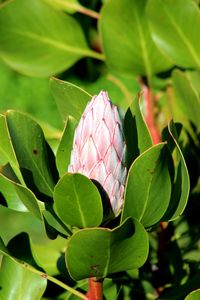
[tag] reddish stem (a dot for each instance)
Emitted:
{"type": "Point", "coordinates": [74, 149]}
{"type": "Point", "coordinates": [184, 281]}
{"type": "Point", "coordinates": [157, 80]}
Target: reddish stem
{"type": "Point", "coordinates": [150, 119]}
{"type": "Point", "coordinates": [95, 289]}
{"type": "Point", "coordinates": [150, 113]}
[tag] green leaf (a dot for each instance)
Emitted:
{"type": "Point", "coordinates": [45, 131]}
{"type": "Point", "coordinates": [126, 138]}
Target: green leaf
{"type": "Point", "coordinates": [10, 195]}
{"type": "Point", "coordinates": [33, 154]}
{"type": "Point", "coordinates": [22, 254]}
{"type": "Point", "coordinates": [106, 251]}
{"type": "Point", "coordinates": [14, 222]}
{"type": "Point", "coordinates": [71, 100]}
{"type": "Point", "coordinates": [195, 295]}
{"type": "Point", "coordinates": [126, 38]}
{"type": "Point", "coordinates": [7, 153]}
{"type": "Point", "coordinates": [31, 47]}
{"type": "Point", "coordinates": [187, 97]}
{"type": "Point", "coordinates": [136, 133]}
{"type": "Point", "coordinates": [194, 78]}
{"type": "Point", "coordinates": [65, 147]}
{"type": "Point", "coordinates": [50, 263]}
{"type": "Point", "coordinates": [3, 249]}
{"type": "Point", "coordinates": [172, 34]}
{"type": "Point", "coordinates": [181, 182]}
{"type": "Point", "coordinates": [19, 283]}
{"type": "Point", "coordinates": [148, 186]}
{"type": "Point", "coordinates": [77, 201]}
{"type": "Point", "coordinates": [25, 195]}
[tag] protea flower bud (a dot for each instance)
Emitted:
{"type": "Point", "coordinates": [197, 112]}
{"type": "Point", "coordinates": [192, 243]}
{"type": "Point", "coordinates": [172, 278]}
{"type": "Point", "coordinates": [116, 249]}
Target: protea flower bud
{"type": "Point", "coordinates": [99, 148]}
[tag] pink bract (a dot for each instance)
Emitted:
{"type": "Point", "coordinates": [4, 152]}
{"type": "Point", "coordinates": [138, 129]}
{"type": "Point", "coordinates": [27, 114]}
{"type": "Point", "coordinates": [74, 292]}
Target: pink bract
{"type": "Point", "coordinates": [99, 148]}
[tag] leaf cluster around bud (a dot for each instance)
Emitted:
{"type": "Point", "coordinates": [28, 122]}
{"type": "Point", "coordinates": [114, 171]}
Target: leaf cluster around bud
{"type": "Point", "coordinates": [67, 210]}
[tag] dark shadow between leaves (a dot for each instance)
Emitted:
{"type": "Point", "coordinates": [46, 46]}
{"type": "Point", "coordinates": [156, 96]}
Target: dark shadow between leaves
{"type": "Point", "coordinates": [30, 183]}
{"type": "Point", "coordinates": [20, 248]}
{"type": "Point", "coordinates": [108, 214]}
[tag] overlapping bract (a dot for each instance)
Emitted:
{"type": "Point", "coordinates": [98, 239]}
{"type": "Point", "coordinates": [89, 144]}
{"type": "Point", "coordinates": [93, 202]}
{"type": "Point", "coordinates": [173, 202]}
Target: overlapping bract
{"type": "Point", "coordinates": [99, 148]}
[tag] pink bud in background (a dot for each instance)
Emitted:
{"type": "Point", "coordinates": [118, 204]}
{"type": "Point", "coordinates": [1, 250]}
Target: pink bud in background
{"type": "Point", "coordinates": [99, 148]}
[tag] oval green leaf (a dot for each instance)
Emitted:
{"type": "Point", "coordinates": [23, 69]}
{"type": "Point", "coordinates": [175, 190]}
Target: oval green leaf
{"type": "Point", "coordinates": [107, 251]}
{"type": "Point", "coordinates": [148, 187]}
{"type": "Point", "coordinates": [181, 182]}
{"type": "Point", "coordinates": [31, 47]}
{"type": "Point", "coordinates": [127, 43]}
{"type": "Point", "coordinates": [34, 156]}
{"type": "Point", "coordinates": [172, 34]}
{"type": "Point", "coordinates": [77, 201]}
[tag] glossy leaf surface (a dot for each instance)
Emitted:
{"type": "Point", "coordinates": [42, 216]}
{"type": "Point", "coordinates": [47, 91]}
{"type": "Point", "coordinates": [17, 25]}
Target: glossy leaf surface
{"type": "Point", "coordinates": [126, 38]}
{"type": "Point", "coordinates": [77, 201]}
{"type": "Point", "coordinates": [181, 183]}
{"type": "Point", "coordinates": [25, 195]}
{"type": "Point", "coordinates": [34, 156]}
{"type": "Point", "coordinates": [103, 248]}
{"type": "Point", "coordinates": [31, 47]}
{"type": "Point", "coordinates": [19, 283]}
{"type": "Point", "coordinates": [172, 34]}
{"type": "Point", "coordinates": [148, 187]}
{"type": "Point", "coordinates": [195, 295]}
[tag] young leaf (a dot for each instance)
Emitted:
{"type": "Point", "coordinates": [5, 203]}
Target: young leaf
{"type": "Point", "coordinates": [181, 183]}
{"type": "Point", "coordinates": [31, 47]}
{"type": "Point", "coordinates": [77, 201]}
{"type": "Point", "coordinates": [136, 133]}
{"type": "Point", "coordinates": [126, 38]}
{"type": "Point", "coordinates": [34, 156]}
{"type": "Point", "coordinates": [148, 186]}
{"type": "Point", "coordinates": [65, 147]}
{"type": "Point", "coordinates": [71, 99]}
{"type": "Point", "coordinates": [172, 34]}
{"type": "Point", "coordinates": [107, 251]}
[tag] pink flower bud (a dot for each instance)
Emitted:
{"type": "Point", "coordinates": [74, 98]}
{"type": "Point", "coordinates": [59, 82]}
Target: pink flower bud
{"type": "Point", "coordinates": [99, 148]}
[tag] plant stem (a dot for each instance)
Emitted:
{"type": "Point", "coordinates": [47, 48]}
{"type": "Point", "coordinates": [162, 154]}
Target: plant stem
{"type": "Point", "coordinates": [156, 138]}
{"type": "Point", "coordinates": [150, 113]}
{"type": "Point", "coordinates": [95, 289]}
